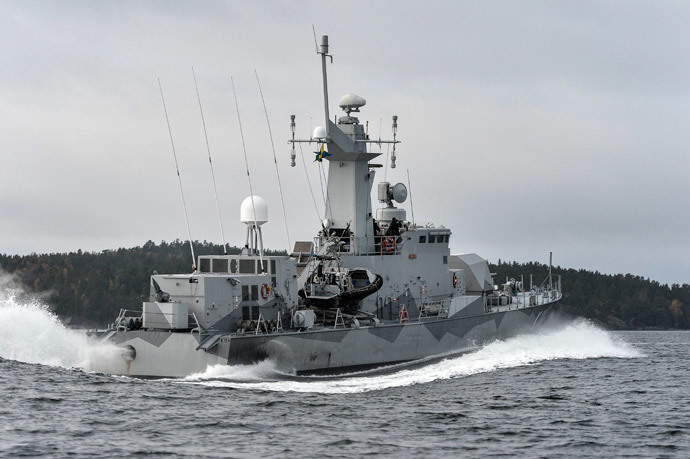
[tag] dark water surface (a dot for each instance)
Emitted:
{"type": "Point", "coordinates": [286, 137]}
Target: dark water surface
{"type": "Point", "coordinates": [575, 390]}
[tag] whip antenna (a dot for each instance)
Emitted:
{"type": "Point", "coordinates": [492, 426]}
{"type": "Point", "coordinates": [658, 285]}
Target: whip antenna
{"type": "Point", "coordinates": [409, 186]}
{"type": "Point", "coordinates": [316, 43]}
{"type": "Point", "coordinates": [213, 177]}
{"type": "Point", "coordinates": [249, 178]}
{"type": "Point", "coordinates": [179, 178]}
{"type": "Point", "coordinates": [275, 160]}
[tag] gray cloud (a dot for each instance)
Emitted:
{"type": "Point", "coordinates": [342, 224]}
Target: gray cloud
{"type": "Point", "coordinates": [527, 126]}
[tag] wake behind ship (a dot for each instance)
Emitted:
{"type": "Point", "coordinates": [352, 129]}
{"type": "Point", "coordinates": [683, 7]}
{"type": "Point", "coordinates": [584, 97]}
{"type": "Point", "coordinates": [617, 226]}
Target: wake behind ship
{"type": "Point", "coordinates": [371, 289]}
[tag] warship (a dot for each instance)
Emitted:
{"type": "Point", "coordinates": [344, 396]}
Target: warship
{"type": "Point", "coordinates": [371, 289]}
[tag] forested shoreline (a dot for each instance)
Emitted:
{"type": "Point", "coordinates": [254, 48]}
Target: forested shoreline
{"type": "Point", "coordinates": [89, 288]}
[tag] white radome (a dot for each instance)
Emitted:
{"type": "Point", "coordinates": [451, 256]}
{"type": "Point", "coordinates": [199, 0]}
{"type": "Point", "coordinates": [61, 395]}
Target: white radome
{"type": "Point", "coordinates": [319, 133]}
{"type": "Point", "coordinates": [247, 211]}
{"type": "Point", "coordinates": [352, 102]}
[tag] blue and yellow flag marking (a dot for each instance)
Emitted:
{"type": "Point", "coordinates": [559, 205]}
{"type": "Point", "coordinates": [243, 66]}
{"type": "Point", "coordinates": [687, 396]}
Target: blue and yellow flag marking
{"type": "Point", "coordinates": [320, 155]}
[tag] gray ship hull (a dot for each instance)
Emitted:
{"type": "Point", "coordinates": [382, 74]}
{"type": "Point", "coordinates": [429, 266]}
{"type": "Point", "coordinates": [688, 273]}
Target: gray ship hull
{"type": "Point", "coordinates": [165, 354]}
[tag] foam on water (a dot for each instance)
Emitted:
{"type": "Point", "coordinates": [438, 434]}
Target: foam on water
{"type": "Point", "coordinates": [261, 371]}
{"type": "Point", "coordinates": [30, 332]}
{"type": "Point", "coordinates": [576, 340]}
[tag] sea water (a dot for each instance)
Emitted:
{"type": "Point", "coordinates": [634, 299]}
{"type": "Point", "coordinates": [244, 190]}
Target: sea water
{"type": "Point", "coordinates": [572, 390]}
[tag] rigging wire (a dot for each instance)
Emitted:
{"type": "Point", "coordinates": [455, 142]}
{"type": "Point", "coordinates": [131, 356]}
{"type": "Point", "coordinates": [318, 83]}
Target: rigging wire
{"type": "Point", "coordinates": [210, 162]}
{"type": "Point", "coordinates": [323, 195]}
{"type": "Point", "coordinates": [249, 178]}
{"type": "Point", "coordinates": [311, 190]}
{"type": "Point", "coordinates": [327, 198]}
{"type": "Point", "coordinates": [275, 160]}
{"type": "Point", "coordinates": [179, 177]}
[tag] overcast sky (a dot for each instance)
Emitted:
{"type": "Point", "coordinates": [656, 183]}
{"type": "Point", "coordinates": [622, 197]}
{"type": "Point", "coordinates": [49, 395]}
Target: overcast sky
{"type": "Point", "coordinates": [527, 127]}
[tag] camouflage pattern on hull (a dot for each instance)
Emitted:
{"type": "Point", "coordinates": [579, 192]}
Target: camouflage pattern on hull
{"type": "Point", "coordinates": [164, 354]}
{"type": "Point", "coordinates": [323, 350]}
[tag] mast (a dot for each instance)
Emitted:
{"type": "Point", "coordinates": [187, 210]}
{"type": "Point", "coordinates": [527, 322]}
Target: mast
{"type": "Point", "coordinates": [324, 53]}
{"type": "Point", "coordinates": [348, 206]}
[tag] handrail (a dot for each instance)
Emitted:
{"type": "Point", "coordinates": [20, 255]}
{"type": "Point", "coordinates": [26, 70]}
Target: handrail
{"type": "Point", "coordinates": [542, 295]}
{"type": "Point", "coordinates": [136, 314]}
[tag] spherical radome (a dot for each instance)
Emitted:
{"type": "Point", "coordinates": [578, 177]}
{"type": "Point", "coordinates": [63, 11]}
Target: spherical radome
{"type": "Point", "coordinates": [247, 210]}
{"type": "Point", "coordinates": [319, 133]}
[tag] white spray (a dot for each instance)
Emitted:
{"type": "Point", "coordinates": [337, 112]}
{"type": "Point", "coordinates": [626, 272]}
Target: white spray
{"type": "Point", "coordinates": [577, 340]}
{"type": "Point", "coordinates": [30, 332]}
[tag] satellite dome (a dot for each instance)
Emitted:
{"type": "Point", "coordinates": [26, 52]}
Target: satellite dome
{"type": "Point", "coordinates": [247, 211]}
{"type": "Point", "coordinates": [319, 133]}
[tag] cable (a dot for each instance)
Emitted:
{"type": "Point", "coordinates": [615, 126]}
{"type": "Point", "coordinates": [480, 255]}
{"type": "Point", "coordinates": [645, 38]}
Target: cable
{"type": "Point", "coordinates": [179, 178]}
{"type": "Point", "coordinates": [213, 177]}
{"type": "Point", "coordinates": [275, 160]}
{"type": "Point", "coordinates": [249, 178]}
{"type": "Point", "coordinates": [311, 190]}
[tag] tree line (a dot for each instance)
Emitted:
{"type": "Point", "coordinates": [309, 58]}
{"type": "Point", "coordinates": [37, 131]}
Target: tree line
{"type": "Point", "coordinates": [618, 301]}
{"type": "Point", "coordinates": [89, 288]}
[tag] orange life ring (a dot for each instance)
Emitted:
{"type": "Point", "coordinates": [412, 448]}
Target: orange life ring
{"type": "Point", "coordinates": [389, 244]}
{"type": "Point", "coordinates": [403, 315]}
{"type": "Point", "coordinates": [264, 291]}
{"type": "Point", "coordinates": [455, 280]}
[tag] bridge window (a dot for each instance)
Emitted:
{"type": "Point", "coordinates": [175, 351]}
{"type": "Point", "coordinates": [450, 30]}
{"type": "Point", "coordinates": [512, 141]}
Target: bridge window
{"type": "Point", "coordinates": [247, 267]}
{"type": "Point", "coordinates": [432, 238]}
{"type": "Point", "coordinates": [422, 239]}
{"type": "Point", "coordinates": [205, 265]}
{"type": "Point", "coordinates": [220, 265]}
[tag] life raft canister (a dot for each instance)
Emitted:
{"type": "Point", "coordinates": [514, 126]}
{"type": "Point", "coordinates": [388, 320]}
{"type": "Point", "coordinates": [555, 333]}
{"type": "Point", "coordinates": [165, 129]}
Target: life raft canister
{"type": "Point", "coordinates": [389, 244]}
{"type": "Point", "coordinates": [264, 291]}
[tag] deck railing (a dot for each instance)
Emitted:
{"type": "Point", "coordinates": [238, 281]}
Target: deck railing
{"type": "Point", "coordinates": [536, 296]}
{"type": "Point", "coordinates": [382, 245]}
{"type": "Point", "coordinates": [129, 319]}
